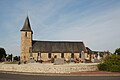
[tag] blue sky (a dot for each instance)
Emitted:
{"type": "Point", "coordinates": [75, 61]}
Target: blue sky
{"type": "Point", "coordinates": [95, 22]}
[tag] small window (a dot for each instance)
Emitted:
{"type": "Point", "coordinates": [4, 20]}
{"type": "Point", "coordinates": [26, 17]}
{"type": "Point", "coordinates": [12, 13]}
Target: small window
{"type": "Point", "coordinates": [72, 55]}
{"type": "Point", "coordinates": [62, 55]}
{"type": "Point", "coordinates": [38, 54]}
{"type": "Point", "coordinates": [49, 55]}
{"type": "Point", "coordinates": [25, 34]}
{"type": "Point", "coordinates": [80, 55]}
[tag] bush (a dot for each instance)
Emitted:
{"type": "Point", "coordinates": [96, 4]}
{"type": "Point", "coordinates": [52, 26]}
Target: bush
{"type": "Point", "coordinates": [102, 67]}
{"type": "Point", "coordinates": [111, 63]}
{"type": "Point", "coordinates": [2, 54]}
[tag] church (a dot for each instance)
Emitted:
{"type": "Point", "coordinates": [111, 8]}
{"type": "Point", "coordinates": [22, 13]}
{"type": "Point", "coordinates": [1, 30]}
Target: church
{"type": "Point", "coordinates": [46, 50]}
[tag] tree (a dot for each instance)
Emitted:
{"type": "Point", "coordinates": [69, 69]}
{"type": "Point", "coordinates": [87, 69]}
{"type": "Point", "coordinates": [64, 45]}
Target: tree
{"type": "Point", "coordinates": [9, 57]}
{"type": "Point", "coordinates": [117, 51]}
{"type": "Point", "coordinates": [2, 54]}
{"type": "Point", "coordinates": [17, 58]}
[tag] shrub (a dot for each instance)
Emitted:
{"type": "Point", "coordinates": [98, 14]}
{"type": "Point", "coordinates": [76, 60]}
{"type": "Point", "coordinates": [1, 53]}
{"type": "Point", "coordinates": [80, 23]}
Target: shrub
{"type": "Point", "coordinates": [102, 67]}
{"type": "Point", "coordinates": [110, 63]}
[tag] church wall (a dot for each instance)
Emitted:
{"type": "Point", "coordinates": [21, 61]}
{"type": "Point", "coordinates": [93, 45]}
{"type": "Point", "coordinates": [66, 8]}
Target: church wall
{"type": "Point", "coordinates": [76, 55]}
{"type": "Point", "coordinates": [35, 56]}
{"type": "Point", "coordinates": [44, 56]}
{"type": "Point", "coordinates": [29, 35]}
{"type": "Point", "coordinates": [86, 55]}
{"type": "Point", "coordinates": [57, 54]}
{"type": "Point", "coordinates": [67, 56]}
{"type": "Point", "coordinates": [26, 43]}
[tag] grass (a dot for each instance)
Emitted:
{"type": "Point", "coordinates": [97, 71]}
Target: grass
{"type": "Point", "coordinates": [14, 62]}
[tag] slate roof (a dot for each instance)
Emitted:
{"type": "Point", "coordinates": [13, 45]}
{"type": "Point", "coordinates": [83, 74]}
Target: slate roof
{"type": "Point", "coordinates": [89, 50]}
{"type": "Point", "coordinates": [26, 26]}
{"type": "Point", "coordinates": [57, 46]}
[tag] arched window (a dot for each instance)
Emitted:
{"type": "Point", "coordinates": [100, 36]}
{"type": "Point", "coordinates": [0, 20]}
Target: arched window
{"type": "Point", "coordinates": [79, 55]}
{"type": "Point", "coordinates": [49, 55]}
{"type": "Point", "coordinates": [62, 55]}
{"type": "Point", "coordinates": [72, 55]}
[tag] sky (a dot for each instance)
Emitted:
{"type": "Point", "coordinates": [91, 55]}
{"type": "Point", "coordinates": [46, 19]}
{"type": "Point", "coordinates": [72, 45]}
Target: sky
{"type": "Point", "coordinates": [95, 22]}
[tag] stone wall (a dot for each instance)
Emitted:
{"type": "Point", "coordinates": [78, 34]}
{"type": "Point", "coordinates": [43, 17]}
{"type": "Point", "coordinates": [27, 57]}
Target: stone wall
{"type": "Point", "coordinates": [48, 68]}
{"type": "Point", "coordinates": [67, 56]}
{"type": "Point", "coordinates": [44, 56]}
{"type": "Point", "coordinates": [58, 55]}
{"type": "Point", "coordinates": [76, 55]}
{"type": "Point", "coordinates": [26, 43]}
{"type": "Point", "coordinates": [35, 56]}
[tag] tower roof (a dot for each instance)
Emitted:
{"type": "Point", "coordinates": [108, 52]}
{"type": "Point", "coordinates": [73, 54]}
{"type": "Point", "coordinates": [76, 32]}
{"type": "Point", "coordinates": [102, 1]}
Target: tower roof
{"type": "Point", "coordinates": [26, 26]}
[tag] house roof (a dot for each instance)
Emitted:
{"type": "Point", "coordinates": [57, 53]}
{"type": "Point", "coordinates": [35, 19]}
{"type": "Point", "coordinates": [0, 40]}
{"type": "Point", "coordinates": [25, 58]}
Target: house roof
{"type": "Point", "coordinates": [57, 46]}
{"type": "Point", "coordinates": [26, 26]}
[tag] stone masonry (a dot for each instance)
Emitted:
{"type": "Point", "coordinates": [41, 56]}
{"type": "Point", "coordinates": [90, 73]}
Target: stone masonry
{"type": "Point", "coordinates": [26, 43]}
{"type": "Point", "coordinates": [49, 68]}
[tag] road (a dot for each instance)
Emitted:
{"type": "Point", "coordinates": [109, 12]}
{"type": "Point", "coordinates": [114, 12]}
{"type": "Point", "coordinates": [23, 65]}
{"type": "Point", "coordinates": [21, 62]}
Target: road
{"type": "Point", "coordinates": [6, 76]}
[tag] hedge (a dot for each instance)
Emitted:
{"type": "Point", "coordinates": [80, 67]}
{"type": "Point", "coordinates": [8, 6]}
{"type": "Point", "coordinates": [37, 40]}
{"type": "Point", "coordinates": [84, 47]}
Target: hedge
{"type": "Point", "coordinates": [110, 63]}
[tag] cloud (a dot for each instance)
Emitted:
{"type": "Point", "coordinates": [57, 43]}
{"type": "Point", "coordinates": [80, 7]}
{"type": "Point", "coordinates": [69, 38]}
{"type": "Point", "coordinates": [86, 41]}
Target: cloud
{"type": "Point", "coordinates": [100, 31]}
{"type": "Point", "coordinates": [96, 23]}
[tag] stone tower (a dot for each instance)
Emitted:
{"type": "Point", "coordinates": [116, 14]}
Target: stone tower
{"type": "Point", "coordinates": [26, 40]}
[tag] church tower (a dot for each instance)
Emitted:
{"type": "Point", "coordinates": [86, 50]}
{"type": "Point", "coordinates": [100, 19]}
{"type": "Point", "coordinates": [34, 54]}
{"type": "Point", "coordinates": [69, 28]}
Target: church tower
{"type": "Point", "coordinates": [26, 40]}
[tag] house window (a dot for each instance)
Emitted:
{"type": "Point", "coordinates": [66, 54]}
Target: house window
{"type": "Point", "coordinates": [49, 55]}
{"type": "Point", "coordinates": [72, 55]}
{"type": "Point", "coordinates": [62, 55]}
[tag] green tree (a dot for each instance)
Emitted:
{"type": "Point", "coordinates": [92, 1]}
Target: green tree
{"type": "Point", "coordinates": [9, 57]}
{"type": "Point", "coordinates": [2, 54]}
{"type": "Point", "coordinates": [110, 63]}
{"type": "Point", "coordinates": [117, 51]}
{"type": "Point", "coordinates": [17, 58]}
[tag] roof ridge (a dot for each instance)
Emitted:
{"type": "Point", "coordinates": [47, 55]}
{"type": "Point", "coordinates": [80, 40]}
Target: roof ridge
{"type": "Point", "coordinates": [55, 41]}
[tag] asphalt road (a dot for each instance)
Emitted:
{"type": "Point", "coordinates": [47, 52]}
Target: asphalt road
{"type": "Point", "coordinates": [6, 76]}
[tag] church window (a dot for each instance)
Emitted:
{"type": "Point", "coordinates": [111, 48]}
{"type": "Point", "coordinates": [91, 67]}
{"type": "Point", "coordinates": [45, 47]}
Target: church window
{"type": "Point", "coordinates": [80, 55]}
{"type": "Point", "coordinates": [49, 55]}
{"type": "Point", "coordinates": [72, 55]}
{"type": "Point", "coordinates": [62, 55]}
{"type": "Point", "coordinates": [39, 54]}
{"type": "Point", "coordinates": [25, 34]}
